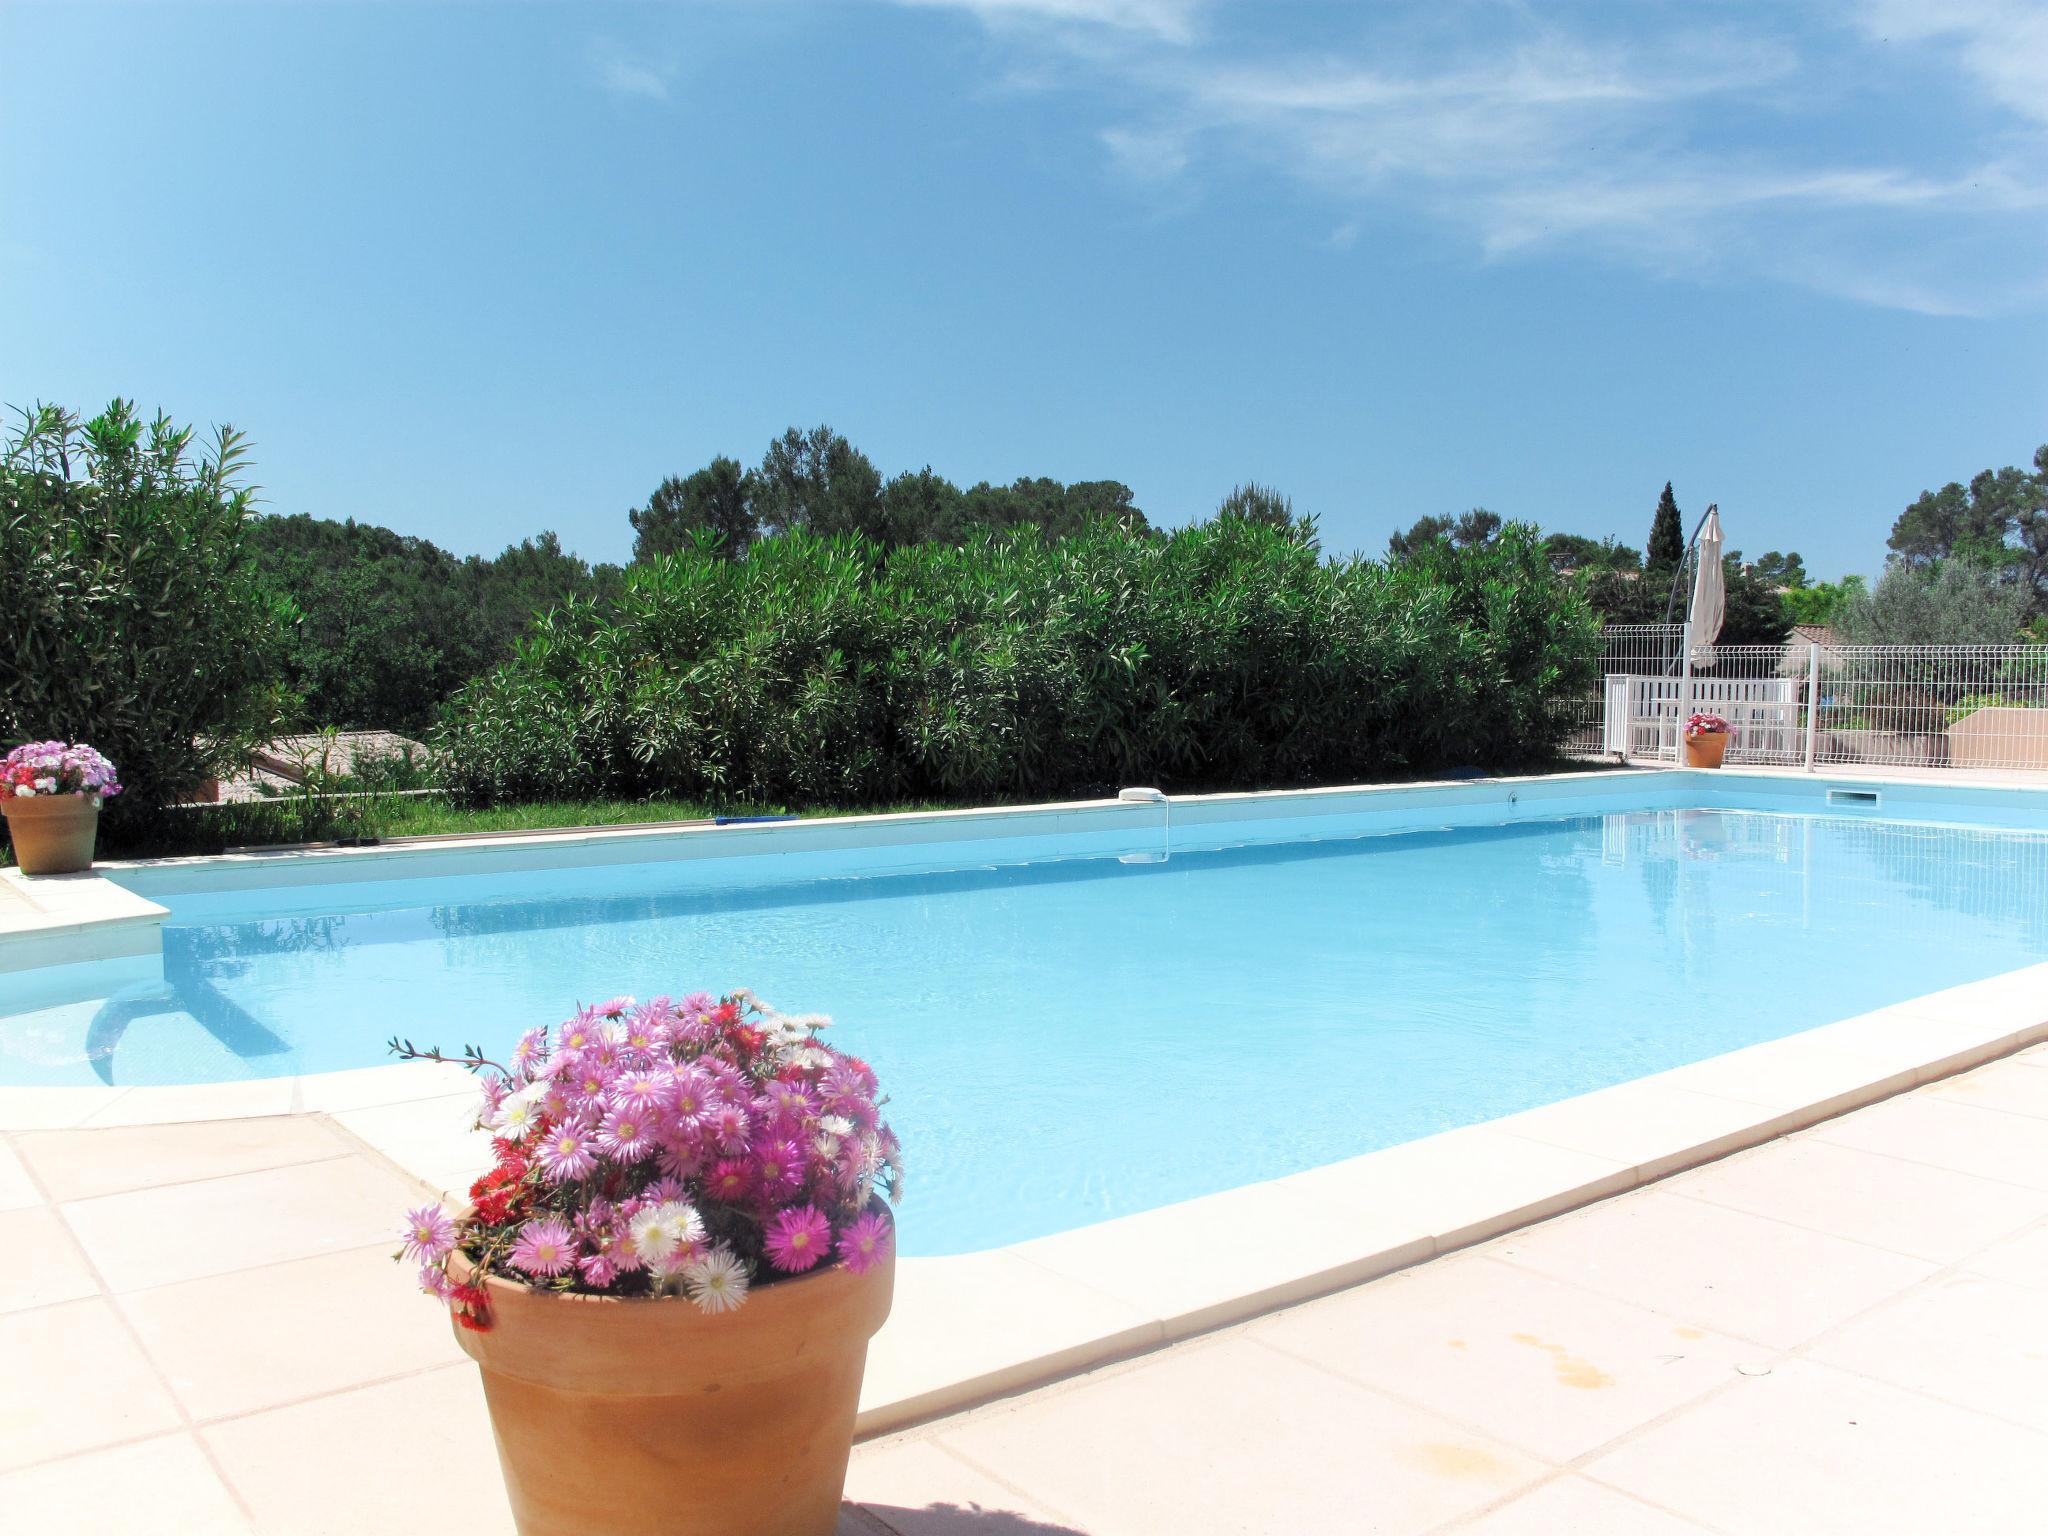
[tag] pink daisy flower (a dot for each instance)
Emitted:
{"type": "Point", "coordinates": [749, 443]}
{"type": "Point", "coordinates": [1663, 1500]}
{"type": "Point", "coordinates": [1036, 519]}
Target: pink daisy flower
{"type": "Point", "coordinates": [569, 1151]}
{"type": "Point", "coordinates": [625, 1136]}
{"type": "Point", "coordinates": [527, 1054]}
{"type": "Point", "coordinates": [645, 1091]}
{"type": "Point", "coordinates": [792, 1101]}
{"type": "Point", "coordinates": [780, 1166]}
{"type": "Point", "coordinates": [579, 1033]}
{"type": "Point", "coordinates": [434, 1281]}
{"type": "Point", "coordinates": [867, 1242]}
{"type": "Point", "coordinates": [798, 1238]}
{"type": "Point", "coordinates": [597, 1269]}
{"type": "Point", "coordinates": [647, 1029]}
{"type": "Point", "coordinates": [690, 1099]}
{"type": "Point", "coordinates": [546, 1248]}
{"type": "Point", "coordinates": [729, 1127]}
{"type": "Point", "coordinates": [730, 1181]}
{"type": "Point", "coordinates": [679, 1159]}
{"type": "Point", "coordinates": [429, 1234]}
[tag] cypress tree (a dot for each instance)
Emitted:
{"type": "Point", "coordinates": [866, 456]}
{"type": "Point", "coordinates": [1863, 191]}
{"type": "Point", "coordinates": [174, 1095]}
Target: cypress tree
{"type": "Point", "coordinates": [1667, 532]}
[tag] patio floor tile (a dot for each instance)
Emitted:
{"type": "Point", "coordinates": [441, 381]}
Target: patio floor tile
{"type": "Point", "coordinates": [1744, 1275]}
{"type": "Point", "coordinates": [161, 1487]}
{"type": "Point", "coordinates": [150, 1237]}
{"type": "Point", "coordinates": [982, 1316]}
{"type": "Point", "coordinates": [1229, 1436]}
{"type": "Point", "coordinates": [1989, 1143]}
{"type": "Point", "coordinates": [1812, 1451]}
{"type": "Point", "coordinates": [80, 1165]}
{"type": "Point", "coordinates": [1571, 1506]}
{"type": "Point", "coordinates": [1911, 1208]}
{"type": "Point", "coordinates": [2013, 1086]}
{"type": "Point", "coordinates": [914, 1488]}
{"type": "Point", "coordinates": [1962, 1338]}
{"type": "Point", "coordinates": [435, 1138]}
{"type": "Point", "coordinates": [1547, 1367]}
{"type": "Point", "coordinates": [2021, 1259]}
{"type": "Point", "coordinates": [73, 1380]}
{"type": "Point", "coordinates": [43, 1263]}
{"type": "Point", "coordinates": [414, 1455]}
{"type": "Point", "coordinates": [229, 1344]}
{"type": "Point", "coordinates": [17, 1189]}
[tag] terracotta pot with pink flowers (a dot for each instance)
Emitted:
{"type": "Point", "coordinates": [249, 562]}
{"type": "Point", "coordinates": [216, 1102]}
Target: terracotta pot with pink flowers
{"type": "Point", "coordinates": [50, 793]}
{"type": "Point", "coordinates": [1706, 741]}
{"type": "Point", "coordinates": [670, 1276]}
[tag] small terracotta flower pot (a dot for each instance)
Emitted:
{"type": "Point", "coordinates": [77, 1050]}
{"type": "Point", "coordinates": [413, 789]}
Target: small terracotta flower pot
{"type": "Point", "coordinates": [52, 834]}
{"type": "Point", "coordinates": [1704, 749]}
{"type": "Point", "coordinates": [619, 1416]}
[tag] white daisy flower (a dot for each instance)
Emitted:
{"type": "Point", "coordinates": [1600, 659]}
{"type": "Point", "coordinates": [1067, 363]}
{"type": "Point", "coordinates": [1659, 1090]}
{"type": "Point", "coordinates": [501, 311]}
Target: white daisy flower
{"type": "Point", "coordinates": [660, 1232]}
{"type": "Point", "coordinates": [717, 1282]}
{"type": "Point", "coordinates": [515, 1115]}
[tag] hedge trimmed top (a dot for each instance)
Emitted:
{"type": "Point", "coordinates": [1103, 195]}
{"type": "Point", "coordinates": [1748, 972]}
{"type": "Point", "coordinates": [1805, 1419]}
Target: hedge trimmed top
{"type": "Point", "coordinates": [834, 671]}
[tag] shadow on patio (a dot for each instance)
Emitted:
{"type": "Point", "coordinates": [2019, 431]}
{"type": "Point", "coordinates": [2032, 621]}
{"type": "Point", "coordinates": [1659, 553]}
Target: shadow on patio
{"type": "Point", "coordinates": [944, 1520]}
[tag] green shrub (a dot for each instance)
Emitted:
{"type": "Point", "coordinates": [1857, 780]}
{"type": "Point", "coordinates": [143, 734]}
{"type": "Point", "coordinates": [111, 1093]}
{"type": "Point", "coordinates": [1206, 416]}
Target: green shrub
{"type": "Point", "coordinates": [1970, 703]}
{"type": "Point", "coordinates": [830, 671]}
{"type": "Point", "coordinates": [134, 617]}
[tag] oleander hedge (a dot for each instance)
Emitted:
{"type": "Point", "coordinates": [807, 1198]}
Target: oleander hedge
{"type": "Point", "coordinates": [830, 671]}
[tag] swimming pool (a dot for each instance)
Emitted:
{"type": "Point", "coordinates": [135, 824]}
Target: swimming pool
{"type": "Point", "coordinates": [1078, 1028]}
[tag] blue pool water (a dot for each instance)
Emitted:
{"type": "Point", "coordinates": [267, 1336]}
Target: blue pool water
{"type": "Point", "coordinates": [1078, 1038]}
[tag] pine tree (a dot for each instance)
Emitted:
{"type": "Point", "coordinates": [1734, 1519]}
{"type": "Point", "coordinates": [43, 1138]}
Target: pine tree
{"type": "Point", "coordinates": [1667, 533]}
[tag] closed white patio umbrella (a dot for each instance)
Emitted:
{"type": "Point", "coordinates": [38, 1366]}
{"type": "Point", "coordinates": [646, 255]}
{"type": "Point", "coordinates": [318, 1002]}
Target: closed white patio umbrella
{"type": "Point", "coordinates": [1709, 592]}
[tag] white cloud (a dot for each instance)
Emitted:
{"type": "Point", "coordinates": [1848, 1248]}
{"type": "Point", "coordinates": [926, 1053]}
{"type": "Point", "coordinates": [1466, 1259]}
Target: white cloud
{"type": "Point", "coordinates": [622, 74]}
{"type": "Point", "coordinates": [1151, 155]}
{"type": "Point", "coordinates": [2003, 44]}
{"type": "Point", "coordinates": [1175, 21]}
{"type": "Point", "coordinates": [1686, 152]}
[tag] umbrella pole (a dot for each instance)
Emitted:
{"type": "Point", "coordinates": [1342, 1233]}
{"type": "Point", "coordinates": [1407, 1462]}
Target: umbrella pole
{"type": "Point", "coordinates": [1684, 698]}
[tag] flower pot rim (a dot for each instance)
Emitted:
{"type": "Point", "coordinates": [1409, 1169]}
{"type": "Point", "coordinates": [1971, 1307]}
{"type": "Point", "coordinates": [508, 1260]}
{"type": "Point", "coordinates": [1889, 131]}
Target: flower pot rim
{"type": "Point", "coordinates": [605, 1345]}
{"type": "Point", "coordinates": [504, 1283]}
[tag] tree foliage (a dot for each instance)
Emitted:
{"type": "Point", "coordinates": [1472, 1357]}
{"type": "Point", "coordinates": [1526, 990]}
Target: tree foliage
{"type": "Point", "coordinates": [718, 501]}
{"type": "Point", "coordinates": [1467, 530]}
{"type": "Point", "coordinates": [815, 481]}
{"type": "Point", "coordinates": [1998, 522]}
{"type": "Point", "coordinates": [387, 626]}
{"type": "Point", "coordinates": [819, 482]}
{"type": "Point", "coordinates": [135, 615]}
{"type": "Point", "coordinates": [1667, 533]}
{"type": "Point", "coordinates": [834, 670]}
{"type": "Point", "coordinates": [1822, 602]}
{"type": "Point", "coordinates": [1956, 602]}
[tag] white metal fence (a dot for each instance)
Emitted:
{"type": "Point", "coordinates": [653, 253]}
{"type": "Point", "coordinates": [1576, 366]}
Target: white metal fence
{"type": "Point", "coordinates": [1818, 706]}
{"type": "Point", "coordinates": [1631, 650]}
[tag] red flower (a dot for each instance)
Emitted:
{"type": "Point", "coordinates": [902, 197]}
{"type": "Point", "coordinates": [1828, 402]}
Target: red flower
{"type": "Point", "coordinates": [472, 1308]}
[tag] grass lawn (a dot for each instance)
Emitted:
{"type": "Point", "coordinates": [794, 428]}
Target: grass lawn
{"type": "Point", "coordinates": [327, 819]}
{"type": "Point", "coordinates": [431, 816]}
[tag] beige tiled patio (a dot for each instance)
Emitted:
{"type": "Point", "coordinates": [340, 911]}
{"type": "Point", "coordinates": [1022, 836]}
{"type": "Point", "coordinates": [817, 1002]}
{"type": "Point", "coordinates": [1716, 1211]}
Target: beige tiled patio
{"type": "Point", "coordinates": [1844, 1331]}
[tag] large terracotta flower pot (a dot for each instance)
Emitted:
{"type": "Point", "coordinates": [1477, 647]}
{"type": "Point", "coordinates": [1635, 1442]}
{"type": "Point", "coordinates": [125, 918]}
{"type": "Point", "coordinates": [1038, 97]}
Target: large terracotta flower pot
{"type": "Point", "coordinates": [1704, 749]}
{"type": "Point", "coordinates": [622, 1416]}
{"type": "Point", "coordinates": [52, 834]}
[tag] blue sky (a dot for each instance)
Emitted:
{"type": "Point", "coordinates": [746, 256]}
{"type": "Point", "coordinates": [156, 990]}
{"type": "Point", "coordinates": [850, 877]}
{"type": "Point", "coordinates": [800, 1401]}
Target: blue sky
{"type": "Point", "coordinates": [475, 270]}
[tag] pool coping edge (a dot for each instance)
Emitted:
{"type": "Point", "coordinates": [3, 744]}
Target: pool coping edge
{"type": "Point", "coordinates": [975, 1327]}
